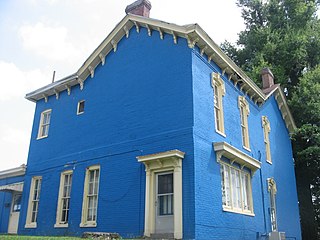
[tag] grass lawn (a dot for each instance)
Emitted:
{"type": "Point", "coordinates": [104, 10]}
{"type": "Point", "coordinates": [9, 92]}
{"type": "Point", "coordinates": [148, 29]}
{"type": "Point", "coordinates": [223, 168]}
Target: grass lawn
{"type": "Point", "coordinates": [15, 237]}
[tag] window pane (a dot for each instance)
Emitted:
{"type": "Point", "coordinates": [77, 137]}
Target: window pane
{"type": "Point", "coordinates": [165, 183]}
{"type": "Point", "coordinates": [81, 107]}
{"type": "Point", "coordinates": [165, 204]}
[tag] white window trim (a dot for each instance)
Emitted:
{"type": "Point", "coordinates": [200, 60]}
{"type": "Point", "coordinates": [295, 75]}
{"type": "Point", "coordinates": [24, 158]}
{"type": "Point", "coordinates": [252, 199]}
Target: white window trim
{"type": "Point", "coordinates": [163, 162]}
{"type": "Point", "coordinates": [272, 189]}
{"type": "Point", "coordinates": [84, 222]}
{"type": "Point", "coordinates": [266, 137]}
{"type": "Point", "coordinates": [59, 207]}
{"type": "Point", "coordinates": [244, 160]}
{"type": "Point", "coordinates": [41, 124]}
{"type": "Point", "coordinates": [30, 224]}
{"type": "Point", "coordinates": [232, 208]}
{"type": "Point", "coordinates": [216, 81]}
{"type": "Point", "coordinates": [244, 107]}
{"type": "Point", "coordinates": [78, 107]}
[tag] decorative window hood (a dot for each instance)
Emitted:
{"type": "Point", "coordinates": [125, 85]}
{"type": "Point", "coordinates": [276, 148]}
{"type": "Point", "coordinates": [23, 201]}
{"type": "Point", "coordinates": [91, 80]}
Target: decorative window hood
{"type": "Point", "coordinates": [235, 155]}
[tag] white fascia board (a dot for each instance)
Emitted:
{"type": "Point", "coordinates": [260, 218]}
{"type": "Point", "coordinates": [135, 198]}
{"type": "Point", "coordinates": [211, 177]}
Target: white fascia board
{"type": "Point", "coordinates": [205, 37]}
{"type": "Point", "coordinates": [49, 89]}
{"type": "Point", "coordinates": [285, 111]}
{"type": "Point", "coordinates": [234, 154]}
{"type": "Point", "coordinates": [168, 154]}
{"type": "Point", "coordinates": [119, 32]}
{"type": "Point", "coordinates": [13, 172]}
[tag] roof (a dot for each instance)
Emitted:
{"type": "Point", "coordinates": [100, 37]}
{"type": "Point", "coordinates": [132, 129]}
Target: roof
{"type": "Point", "coordinates": [195, 36]}
{"type": "Point", "coordinates": [13, 172]}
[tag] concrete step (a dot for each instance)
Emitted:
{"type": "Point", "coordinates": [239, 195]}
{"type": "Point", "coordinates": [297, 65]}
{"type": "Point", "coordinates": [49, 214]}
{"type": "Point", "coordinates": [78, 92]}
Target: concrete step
{"type": "Point", "coordinates": [162, 236]}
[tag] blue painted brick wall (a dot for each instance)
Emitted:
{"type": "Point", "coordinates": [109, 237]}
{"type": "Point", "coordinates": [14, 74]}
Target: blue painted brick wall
{"type": "Point", "coordinates": [211, 221]}
{"type": "Point", "coordinates": [138, 103]}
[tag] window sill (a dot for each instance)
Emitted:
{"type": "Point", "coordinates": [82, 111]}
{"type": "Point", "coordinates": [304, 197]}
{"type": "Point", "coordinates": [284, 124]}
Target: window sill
{"type": "Point", "coordinates": [30, 225]}
{"type": "Point", "coordinates": [246, 148]}
{"type": "Point", "coordinates": [79, 113]}
{"type": "Point", "coordinates": [225, 209]}
{"type": "Point", "coordinates": [91, 224]}
{"type": "Point", "coordinates": [38, 138]}
{"type": "Point", "coordinates": [61, 225]}
{"type": "Point", "coordinates": [268, 161]}
{"type": "Point", "coordinates": [221, 133]}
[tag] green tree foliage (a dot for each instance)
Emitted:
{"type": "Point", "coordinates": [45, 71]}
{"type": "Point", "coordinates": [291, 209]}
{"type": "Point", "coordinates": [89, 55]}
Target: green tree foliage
{"type": "Point", "coordinates": [284, 35]}
{"type": "Point", "coordinates": [279, 34]}
{"type": "Point", "coordinates": [305, 105]}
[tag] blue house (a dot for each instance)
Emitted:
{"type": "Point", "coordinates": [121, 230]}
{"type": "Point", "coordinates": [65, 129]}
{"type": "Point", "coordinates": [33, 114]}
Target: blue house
{"type": "Point", "coordinates": [160, 134]}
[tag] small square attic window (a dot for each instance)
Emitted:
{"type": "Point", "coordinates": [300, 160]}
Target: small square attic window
{"type": "Point", "coordinates": [80, 107]}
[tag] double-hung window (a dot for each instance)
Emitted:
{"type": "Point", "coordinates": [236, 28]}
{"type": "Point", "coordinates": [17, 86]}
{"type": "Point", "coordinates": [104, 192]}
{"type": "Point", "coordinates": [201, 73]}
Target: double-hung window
{"type": "Point", "coordinates": [218, 92]}
{"type": "Point", "coordinates": [64, 199]}
{"type": "Point", "coordinates": [90, 197]}
{"type": "Point", "coordinates": [237, 169]}
{"type": "Point", "coordinates": [44, 124]}
{"type": "Point", "coordinates": [33, 206]}
{"type": "Point", "coordinates": [236, 189]}
{"type": "Point", "coordinates": [244, 112]}
{"type": "Point", "coordinates": [266, 138]}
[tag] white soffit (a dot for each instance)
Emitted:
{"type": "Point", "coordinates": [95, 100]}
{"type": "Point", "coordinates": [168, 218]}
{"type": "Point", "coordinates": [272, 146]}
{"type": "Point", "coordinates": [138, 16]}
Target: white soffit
{"type": "Point", "coordinates": [13, 172]}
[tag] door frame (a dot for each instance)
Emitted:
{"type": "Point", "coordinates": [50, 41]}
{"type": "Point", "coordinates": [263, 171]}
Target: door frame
{"type": "Point", "coordinates": [158, 163]}
{"type": "Point", "coordinates": [14, 194]}
{"type": "Point", "coordinates": [157, 174]}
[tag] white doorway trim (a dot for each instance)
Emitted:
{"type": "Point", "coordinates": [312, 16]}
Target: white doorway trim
{"type": "Point", "coordinates": [162, 162]}
{"type": "Point", "coordinates": [14, 212]}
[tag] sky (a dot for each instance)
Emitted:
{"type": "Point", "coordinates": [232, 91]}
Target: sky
{"type": "Point", "coordinates": [38, 37]}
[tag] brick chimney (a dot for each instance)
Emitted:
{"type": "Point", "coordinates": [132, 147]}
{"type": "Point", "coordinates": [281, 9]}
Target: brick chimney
{"type": "Point", "coordinates": [267, 78]}
{"type": "Point", "coordinates": [139, 7]}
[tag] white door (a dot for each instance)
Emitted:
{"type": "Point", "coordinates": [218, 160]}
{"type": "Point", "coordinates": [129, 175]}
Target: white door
{"type": "Point", "coordinates": [14, 213]}
{"type": "Point", "coordinates": [164, 203]}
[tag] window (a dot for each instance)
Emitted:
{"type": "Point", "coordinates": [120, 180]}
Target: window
{"type": "Point", "coordinates": [16, 206]}
{"type": "Point", "coordinates": [244, 112]}
{"type": "Point", "coordinates": [44, 124]}
{"type": "Point", "coordinates": [80, 109]}
{"type": "Point", "coordinates": [272, 189]}
{"type": "Point", "coordinates": [236, 189]}
{"type": "Point", "coordinates": [64, 199]}
{"type": "Point", "coordinates": [33, 205]}
{"type": "Point", "coordinates": [218, 91]}
{"type": "Point", "coordinates": [236, 178]}
{"type": "Point", "coordinates": [266, 132]}
{"type": "Point", "coordinates": [90, 197]}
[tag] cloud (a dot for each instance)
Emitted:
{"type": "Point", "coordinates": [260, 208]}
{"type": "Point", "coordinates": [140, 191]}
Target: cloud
{"type": "Point", "coordinates": [48, 42]}
{"type": "Point", "coordinates": [15, 83]}
{"type": "Point", "coordinates": [14, 144]}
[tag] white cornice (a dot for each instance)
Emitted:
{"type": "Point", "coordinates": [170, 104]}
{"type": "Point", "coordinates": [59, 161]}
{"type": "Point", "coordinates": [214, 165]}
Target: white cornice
{"type": "Point", "coordinates": [234, 154]}
{"type": "Point", "coordinates": [194, 34]}
{"type": "Point", "coordinates": [13, 172]}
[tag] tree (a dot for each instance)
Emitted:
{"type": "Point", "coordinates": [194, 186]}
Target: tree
{"type": "Point", "coordinates": [280, 34]}
{"type": "Point", "coordinates": [284, 35]}
{"type": "Point", "coordinates": [305, 105]}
